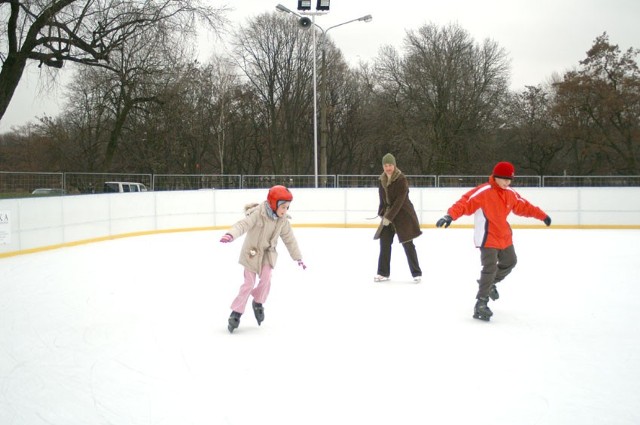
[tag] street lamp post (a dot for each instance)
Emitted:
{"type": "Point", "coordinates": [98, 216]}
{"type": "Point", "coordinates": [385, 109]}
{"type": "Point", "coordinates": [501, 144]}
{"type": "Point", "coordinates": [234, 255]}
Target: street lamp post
{"type": "Point", "coordinates": [304, 22]}
{"type": "Point", "coordinates": [324, 130]}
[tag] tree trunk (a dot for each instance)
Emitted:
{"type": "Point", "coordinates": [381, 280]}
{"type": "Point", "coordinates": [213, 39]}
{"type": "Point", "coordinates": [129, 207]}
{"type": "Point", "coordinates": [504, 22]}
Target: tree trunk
{"type": "Point", "coordinates": [10, 76]}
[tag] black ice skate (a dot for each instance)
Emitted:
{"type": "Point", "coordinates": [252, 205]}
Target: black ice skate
{"type": "Point", "coordinates": [481, 310]}
{"type": "Point", "coordinates": [493, 293]}
{"type": "Point", "coordinates": [234, 321]}
{"type": "Point", "coordinates": [258, 310]}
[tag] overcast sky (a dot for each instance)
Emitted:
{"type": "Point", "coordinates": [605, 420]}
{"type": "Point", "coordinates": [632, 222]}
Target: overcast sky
{"type": "Point", "coordinates": [541, 38]}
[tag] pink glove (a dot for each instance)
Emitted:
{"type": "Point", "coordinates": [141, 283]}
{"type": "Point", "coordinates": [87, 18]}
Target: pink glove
{"type": "Point", "coordinates": [226, 238]}
{"type": "Point", "coordinates": [301, 264]}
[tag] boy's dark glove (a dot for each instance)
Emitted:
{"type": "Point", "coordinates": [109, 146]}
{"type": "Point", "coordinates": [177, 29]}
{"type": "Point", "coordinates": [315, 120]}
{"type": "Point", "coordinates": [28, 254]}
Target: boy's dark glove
{"type": "Point", "coordinates": [547, 221]}
{"type": "Point", "coordinates": [444, 221]}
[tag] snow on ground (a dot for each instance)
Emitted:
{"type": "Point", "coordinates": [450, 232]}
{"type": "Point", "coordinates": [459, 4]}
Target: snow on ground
{"type": "Point", "coordinates": [133, 331]}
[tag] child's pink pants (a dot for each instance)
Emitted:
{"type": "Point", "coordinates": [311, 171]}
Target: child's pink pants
{"type": "Point", "coordinates": [259, 293]}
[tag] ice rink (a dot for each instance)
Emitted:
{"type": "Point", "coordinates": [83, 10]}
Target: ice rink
{"type": "Point", "coordinates": [133, 331]}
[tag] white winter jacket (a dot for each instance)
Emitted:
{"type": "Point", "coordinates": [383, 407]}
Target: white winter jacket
{"type": "Point", "coordinates": [263, 232]}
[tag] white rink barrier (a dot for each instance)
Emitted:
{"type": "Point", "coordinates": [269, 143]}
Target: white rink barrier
{"type": "Point", "coordinates": [32, 224]}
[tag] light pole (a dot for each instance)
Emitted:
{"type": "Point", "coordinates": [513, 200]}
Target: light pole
{"type": "Point", "coordinates": [324, 131]}
{"type": "Point", "coordinates": [307, 23]}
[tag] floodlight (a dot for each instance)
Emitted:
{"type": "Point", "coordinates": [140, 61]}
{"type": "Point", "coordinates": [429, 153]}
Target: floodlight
{"type": "Point", "coordinates": [305, 22]}
{"type": "Point", "coordinates": [304, 4]}
{"type": "Point", "coordinates": [323, 5]}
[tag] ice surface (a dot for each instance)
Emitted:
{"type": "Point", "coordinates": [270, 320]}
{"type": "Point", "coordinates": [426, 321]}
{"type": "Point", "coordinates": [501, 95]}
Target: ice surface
{"type": "Point", "coordinates": [133, 331]}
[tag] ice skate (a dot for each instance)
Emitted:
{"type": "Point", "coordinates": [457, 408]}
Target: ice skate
{"type": "Point", "coordinates": [258, 310]}
{"type": "Point", "coordinates": [481, 310]}
{"type": "Point", "coordinates": [493, 293]}
{"type": "Point", "coordinates": [234, 321]}
{"type": "Point", "coordinates": [380, 278]}
{"type": "Point", "coordinates": [417, 279]}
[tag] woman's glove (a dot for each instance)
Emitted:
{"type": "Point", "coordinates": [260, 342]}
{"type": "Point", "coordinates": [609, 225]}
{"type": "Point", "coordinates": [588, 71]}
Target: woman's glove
{"type": "Point", "coordinates": [385, 221]}
{"type": "Point", "coordinates": [226, 238]}
{"type": "Point", "coordinates": [301, 264]}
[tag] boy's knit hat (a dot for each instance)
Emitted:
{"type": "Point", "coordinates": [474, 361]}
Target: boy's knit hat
{"type": "Point", "coordinates": [504, 170]}
{"type": "Point", "coordinates": [389, 159]}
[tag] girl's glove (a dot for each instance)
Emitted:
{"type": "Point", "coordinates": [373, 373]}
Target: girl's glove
{"type": "Point", "coordinates": [226, 238]}
{"type": "Point", "coordinates": [547, 221]}
{"type": "Point", "coordinates": [301, 264]}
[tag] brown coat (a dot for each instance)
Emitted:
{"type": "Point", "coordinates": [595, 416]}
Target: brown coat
{"type": "Point", "coordinates": [263, 232]}
{"type": "Point", "coordinates": [396, 206]}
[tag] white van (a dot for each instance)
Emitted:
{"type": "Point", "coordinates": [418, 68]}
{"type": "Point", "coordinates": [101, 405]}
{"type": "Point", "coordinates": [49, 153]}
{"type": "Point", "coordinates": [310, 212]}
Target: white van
{"type": "Point", "coordinates": [120, 187]}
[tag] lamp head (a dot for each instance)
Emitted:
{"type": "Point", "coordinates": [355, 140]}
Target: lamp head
{"type": "Point", "coordinates": [305, 22]}
{"type": "Point", "coordinates": [323, 5]}
{"type": "Point", "coordinates": [304, 4]}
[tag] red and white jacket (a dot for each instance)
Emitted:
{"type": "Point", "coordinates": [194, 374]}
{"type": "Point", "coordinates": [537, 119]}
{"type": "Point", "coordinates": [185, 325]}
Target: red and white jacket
{"type": "Point", "coordinates": [491, 205]}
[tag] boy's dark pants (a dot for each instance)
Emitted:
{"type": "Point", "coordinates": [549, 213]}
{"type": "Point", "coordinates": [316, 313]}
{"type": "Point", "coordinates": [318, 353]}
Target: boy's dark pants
{"type": "Point", "coordinates": [496, 265]}
{"type": "Point", "coordinates": [384, 260]}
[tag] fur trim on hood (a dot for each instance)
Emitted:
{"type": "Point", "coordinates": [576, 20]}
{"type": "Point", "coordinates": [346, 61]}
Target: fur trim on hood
{"type": "Point", "coordinates": [386, 181]}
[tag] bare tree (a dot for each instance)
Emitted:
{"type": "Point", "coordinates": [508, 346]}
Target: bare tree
{"type": "Point", "coordinates": [276, 57]}
{"type": "Point", "coordinates": [441, 94]}
{"type": "Point", "coordinates": [532, 136]}
{"type": "Point", "coordinates": [349, 127]}
{"type": "Point", "coordinates": [220, 85]}
{"type": "Point", "coordinates": [103, 100]}
{"type": "Point", "coordinates": [196, 116]}
{"type": "Point", "coordinates": [86, 32]}
{"type": "Point", "coordinates": [81, 130]}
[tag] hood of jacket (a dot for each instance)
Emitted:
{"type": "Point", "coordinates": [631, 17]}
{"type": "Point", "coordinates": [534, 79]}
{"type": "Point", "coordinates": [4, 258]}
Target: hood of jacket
{"type": "Point", "coordinates": [494, 184]}
{"type": "Point", "coordinates": [387, 180]}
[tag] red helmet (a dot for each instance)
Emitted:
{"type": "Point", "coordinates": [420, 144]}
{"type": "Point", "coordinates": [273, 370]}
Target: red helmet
{"type": "Point", "coordinates": [278, 193]}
